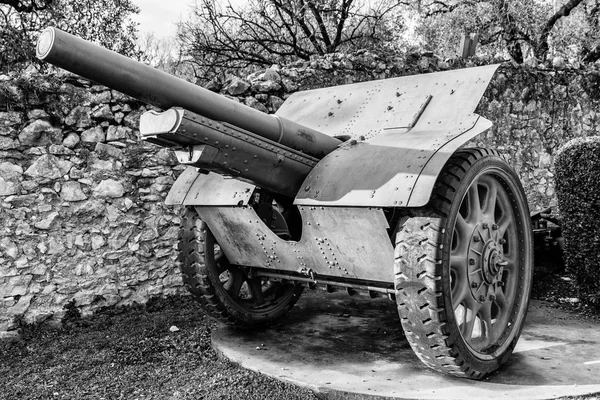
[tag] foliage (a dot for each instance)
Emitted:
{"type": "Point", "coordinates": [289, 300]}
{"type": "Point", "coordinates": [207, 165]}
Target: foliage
{"type": "Point", "coordinates": [503, 26]}
{"type": "Point", "coordinates": [577, 166]}
{"type": "Point", "coordinates": [264, 32]}
{"type": "Point", "coordinates": [106, 22]}
{"type": "Point", "coordinates": [519, 29]}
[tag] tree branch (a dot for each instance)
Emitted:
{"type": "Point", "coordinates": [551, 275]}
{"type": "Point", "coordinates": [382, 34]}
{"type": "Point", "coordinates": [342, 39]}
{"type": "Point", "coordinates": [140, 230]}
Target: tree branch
{"type": "Point", "coordinates": [541, 49]}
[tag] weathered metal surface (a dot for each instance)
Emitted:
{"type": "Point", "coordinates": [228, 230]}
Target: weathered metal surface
{"type": "Point", "coordinates": [403, 131]}
{"type": "Point", "coordinates": [193, 188]}
{"type": "Point", "coordinates": [163, 90]}
{"type": "Point", "coordinates": [228, 150]}
{"type": "Point", "coordinates": [388, 171]}
{"type": "Point", "coordinates": [336, 242]}
{"type": "Point", "coordinates": [370, 108]}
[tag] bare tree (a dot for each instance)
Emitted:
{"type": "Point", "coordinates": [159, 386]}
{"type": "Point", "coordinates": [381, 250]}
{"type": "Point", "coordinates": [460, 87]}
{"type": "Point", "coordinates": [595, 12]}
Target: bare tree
{"type": "Point", "coordinates": [264, 32]}
{"type": "Point", "coordinates": [161, 53]}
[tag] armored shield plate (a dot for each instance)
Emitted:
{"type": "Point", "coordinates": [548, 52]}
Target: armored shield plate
{"type": "Point", "coordinates": [403, 130]}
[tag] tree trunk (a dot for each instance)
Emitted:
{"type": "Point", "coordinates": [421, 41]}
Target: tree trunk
{"type": "Point", "coordinates": [541, 48]}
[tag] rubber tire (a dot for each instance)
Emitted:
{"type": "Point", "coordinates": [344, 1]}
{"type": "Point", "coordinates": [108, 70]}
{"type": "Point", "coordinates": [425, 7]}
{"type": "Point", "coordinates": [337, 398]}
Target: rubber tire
{"type": "Point", "coordinates": [200, 276]}
{"type": "Point", "coordinates": [422, 268]}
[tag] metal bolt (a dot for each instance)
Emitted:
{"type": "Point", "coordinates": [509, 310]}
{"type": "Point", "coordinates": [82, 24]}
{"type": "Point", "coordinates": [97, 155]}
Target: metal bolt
{"type": "Point", "coordinates": [474, 285]}
{"type": "Point", "coordinates": [501, 263]}
{"type": "Point", "coordinates": [495, 227]}
{"type": "Point", "coordinates": [492, 297]}
{"type": "Point", "coordinates": [471, 261]}
{"type": "Point", "coordinates": [484, 225]}
{"type": "Point", "coordinates": [476, 238]}
{"type": "Point", "coordinates": [500, 284]}
{"type": "Point", "coordinates": [502, 241]}
{"type": "Point", "coordinates": [482, 298]}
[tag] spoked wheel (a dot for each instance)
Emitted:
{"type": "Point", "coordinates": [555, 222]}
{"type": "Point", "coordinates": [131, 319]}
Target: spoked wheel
{"type": "Point", "coordinates": [464, 267]}
{"type": "Point", "coordinates": [225, 291]}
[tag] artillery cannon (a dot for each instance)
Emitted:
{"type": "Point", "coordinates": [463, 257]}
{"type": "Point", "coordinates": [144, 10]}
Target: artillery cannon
{"type": "Point", "coordinates": [362, 187]}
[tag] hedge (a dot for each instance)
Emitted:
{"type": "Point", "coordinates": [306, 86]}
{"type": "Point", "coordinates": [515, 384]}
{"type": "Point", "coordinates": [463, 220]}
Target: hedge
{"type": "Point", "coordinates": [577, 168]}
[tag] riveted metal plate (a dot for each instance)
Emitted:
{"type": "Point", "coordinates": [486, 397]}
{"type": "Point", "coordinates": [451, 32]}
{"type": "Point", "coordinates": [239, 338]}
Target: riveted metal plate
{"type": "Point", "coordinates": [404, 130]}
{"type": "Point", "coordinates": [194, 188]}
{"type": "Point", "coordinates": [390, 170]}
{"type": "Point", "coordinates": [369, 108]}
{"type": "Point", "coordinates": [339, 242]}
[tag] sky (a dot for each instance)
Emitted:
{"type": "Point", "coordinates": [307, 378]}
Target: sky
{"type": "Point", "coordinates": [159, 16]}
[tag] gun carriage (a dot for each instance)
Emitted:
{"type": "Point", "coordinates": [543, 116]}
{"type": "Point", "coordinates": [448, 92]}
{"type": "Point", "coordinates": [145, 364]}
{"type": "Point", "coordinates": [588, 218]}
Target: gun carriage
{"type": "Point", "coordinates": [364, 188]}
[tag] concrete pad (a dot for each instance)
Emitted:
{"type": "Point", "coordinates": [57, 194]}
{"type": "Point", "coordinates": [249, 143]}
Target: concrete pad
{"type": "Point", "coordinates": [353, 347]}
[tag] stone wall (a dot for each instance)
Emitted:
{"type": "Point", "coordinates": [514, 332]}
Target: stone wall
{"type": "Point", "coordinates": [534, 112]}
{"type": "Point", "coordinates": [81, 199]}
{"type": "Point", "coordinates": [82, 210]}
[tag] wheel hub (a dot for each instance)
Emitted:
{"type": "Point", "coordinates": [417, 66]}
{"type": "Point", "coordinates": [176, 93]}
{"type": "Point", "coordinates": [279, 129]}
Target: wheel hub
{"type": "Point", "coordinates": [485, 261]}
{"type": "Point", "coordinates": [490, 261]}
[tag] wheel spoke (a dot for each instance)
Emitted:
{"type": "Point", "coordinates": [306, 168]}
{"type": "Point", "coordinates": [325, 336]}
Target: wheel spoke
{"type": "Point", "coordinates": [460, 281]}
{"type": "Point", "coordinates": [503, 224]}
{"type": "Point", "coordinates": [503, 315]}
{"type": "Point", "coordinates": [235, 282]}
{"type": "Point", "coordinates": [462, 228]}
{"type": "Point", "coordinates": [255, 287]}
{"type": "Point", "coordinates": [492, 196]}
{"type": "Point", "coordinates": [459, 293]}
{"type": "Point", "coordinates": [501, 299]}
{"type": "Point", "coordinates": [223, 265]}
{"type": "Point", "coordinates": [462, 232]}
{"type": "Point", "coordinates": [473, 203]}
{"type": "Point", "coordinates": [468, 325]}
{"type": "Point", "coordinates": [458, 263]}
{"type": "Point", "coordinates": [485, 316]}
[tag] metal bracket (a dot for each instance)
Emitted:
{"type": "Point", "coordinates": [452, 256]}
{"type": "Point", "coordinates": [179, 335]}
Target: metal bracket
{"type": "Point", "coordinates": [197, 155]}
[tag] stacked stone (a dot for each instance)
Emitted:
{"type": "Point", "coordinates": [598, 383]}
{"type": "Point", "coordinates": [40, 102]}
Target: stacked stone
{"type": "Point", "coordinates": [534, 112]}
{"type": "Point", "coordinates": [82, 210]}
{"type": "Point", "coordinates": [82, 214]}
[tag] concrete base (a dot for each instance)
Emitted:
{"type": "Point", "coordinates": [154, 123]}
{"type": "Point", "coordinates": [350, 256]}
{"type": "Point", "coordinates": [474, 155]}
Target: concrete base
{"type": "Point", "coordinates": [353, 347]}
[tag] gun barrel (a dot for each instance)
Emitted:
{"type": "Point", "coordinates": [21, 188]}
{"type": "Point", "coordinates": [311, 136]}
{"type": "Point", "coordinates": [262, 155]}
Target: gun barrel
{"type": "Point", "coordinates": [228, 150]}
{"type": "Point", "coordinates": [163, 90]}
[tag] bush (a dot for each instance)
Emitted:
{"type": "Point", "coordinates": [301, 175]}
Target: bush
{"type": "Point", "coordinates": [577, 166]}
